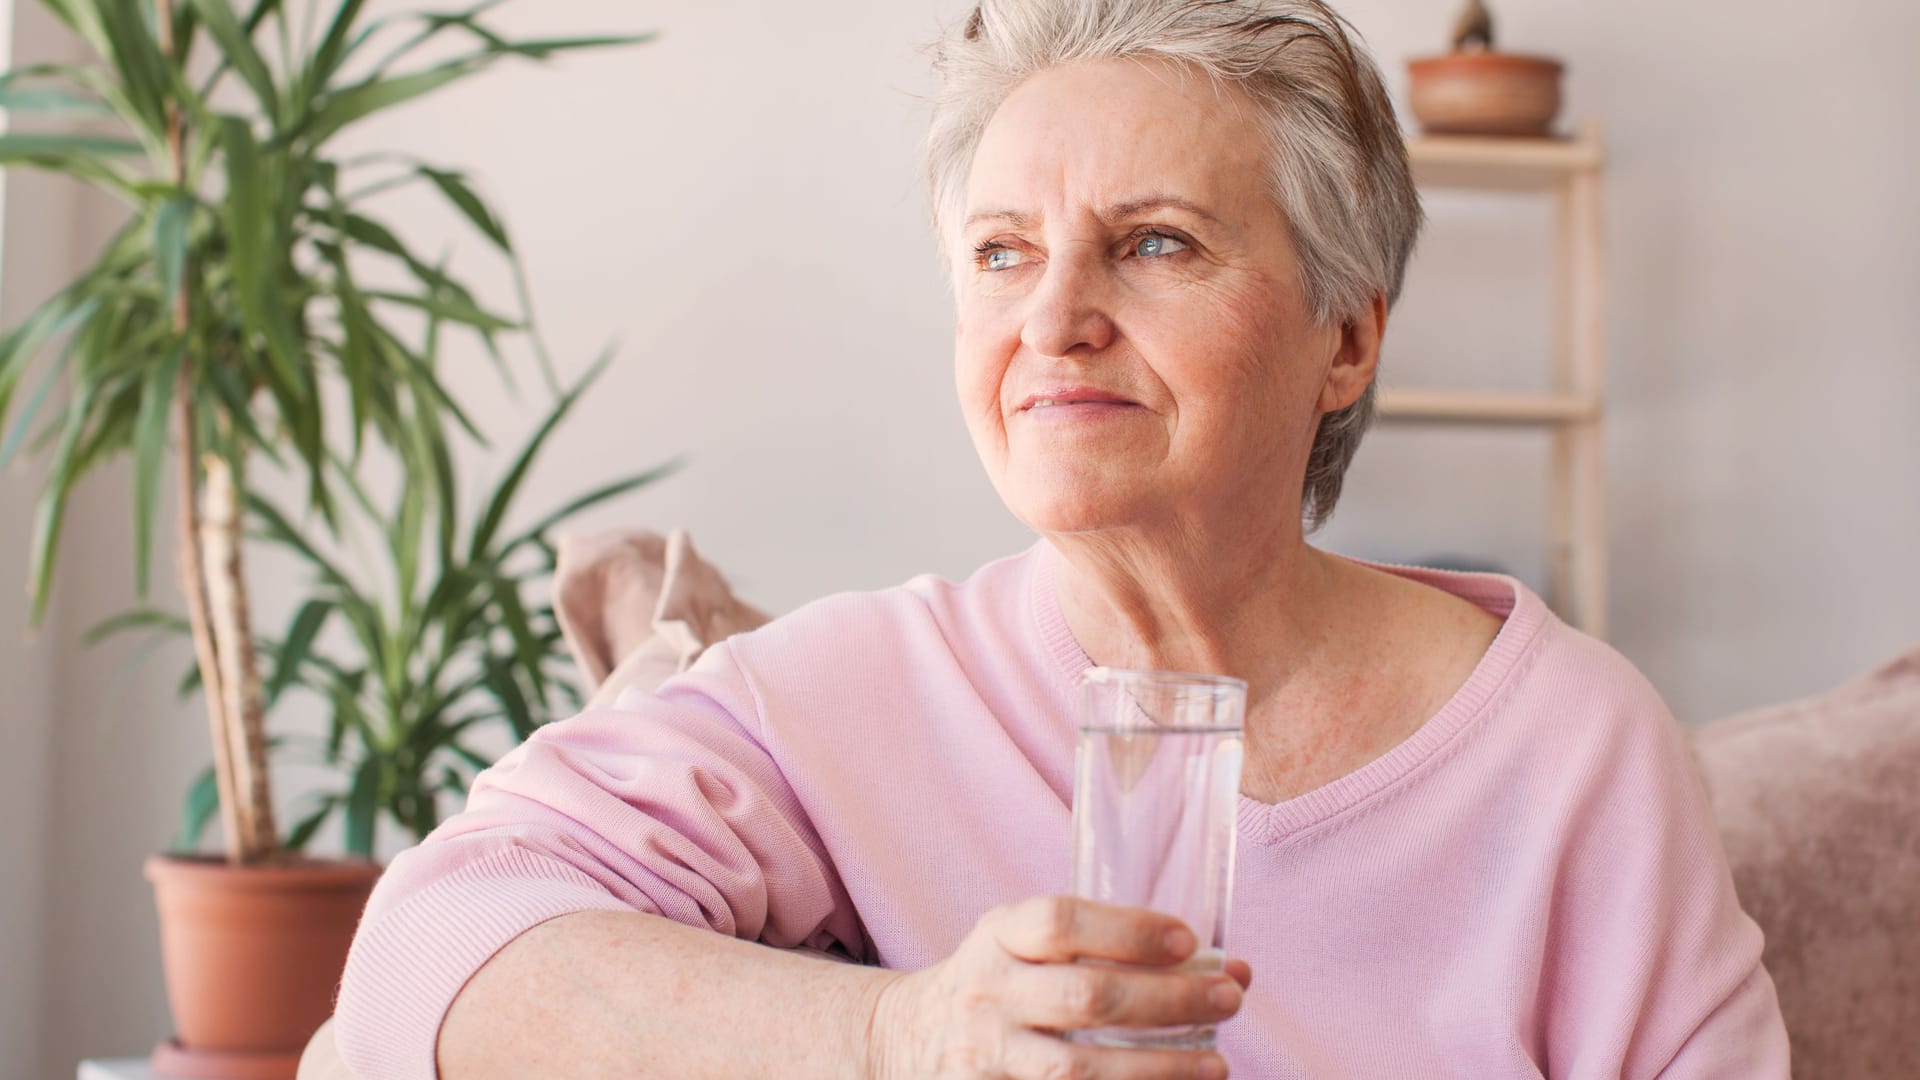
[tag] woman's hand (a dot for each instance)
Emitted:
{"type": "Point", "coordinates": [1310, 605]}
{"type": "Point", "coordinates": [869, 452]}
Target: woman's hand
{"type": "Point", "coordinates": [993, 1010]}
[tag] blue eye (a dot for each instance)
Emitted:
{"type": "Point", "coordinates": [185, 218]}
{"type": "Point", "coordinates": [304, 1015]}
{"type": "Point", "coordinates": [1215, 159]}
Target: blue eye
{"type": "Point", "coordinates": [993, 256]}
{"type": "Point", "coordinates": [1156, 244]}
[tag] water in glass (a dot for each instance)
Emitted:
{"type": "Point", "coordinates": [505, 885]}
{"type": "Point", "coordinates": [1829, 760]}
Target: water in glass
{"type": "Point", "coordinates": [1154, 811]}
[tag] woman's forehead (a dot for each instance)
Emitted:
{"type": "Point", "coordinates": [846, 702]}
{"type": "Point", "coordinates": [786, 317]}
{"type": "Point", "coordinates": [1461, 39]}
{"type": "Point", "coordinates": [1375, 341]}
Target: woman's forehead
{"type": "Point", "coordinates": [1116, 134]}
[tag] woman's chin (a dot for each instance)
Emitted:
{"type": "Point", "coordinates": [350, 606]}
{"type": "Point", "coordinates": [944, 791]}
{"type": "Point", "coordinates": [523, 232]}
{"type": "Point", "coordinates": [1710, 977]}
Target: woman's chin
{"type": "Point", "coordinates": [1058, 511]}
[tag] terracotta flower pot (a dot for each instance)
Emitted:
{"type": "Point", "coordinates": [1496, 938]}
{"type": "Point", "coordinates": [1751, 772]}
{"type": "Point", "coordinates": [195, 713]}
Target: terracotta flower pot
{"type": "Point", "coordinates": [1485, 93]}
{"type": "Point", "coordinates": [253, 956]}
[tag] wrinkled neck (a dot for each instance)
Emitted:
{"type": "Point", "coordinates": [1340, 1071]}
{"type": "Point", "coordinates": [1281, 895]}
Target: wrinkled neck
{"type": "Point", "coordinates": [1180, 599]}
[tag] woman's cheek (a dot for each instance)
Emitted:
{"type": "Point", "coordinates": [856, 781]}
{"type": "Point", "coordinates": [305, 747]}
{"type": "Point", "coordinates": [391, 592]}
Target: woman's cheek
{"type": "Point", "coordinates": [1253, 324]}
{"type": "Point", "coordinates": [978, 371]}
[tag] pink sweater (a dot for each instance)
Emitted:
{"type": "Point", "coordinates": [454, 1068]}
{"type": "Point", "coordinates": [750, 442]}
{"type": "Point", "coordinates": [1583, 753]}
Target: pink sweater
{"type": "Point", "coordinates": [1531, 885]}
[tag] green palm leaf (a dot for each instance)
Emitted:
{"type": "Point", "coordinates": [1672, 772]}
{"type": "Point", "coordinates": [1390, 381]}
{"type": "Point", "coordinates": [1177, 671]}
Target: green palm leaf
{"type": "Point", "coordinates": [361, 100]}
{"type": "Point", "coordinates": [237, 50]}
{"type": "Point", "coordinates": [150, 439]}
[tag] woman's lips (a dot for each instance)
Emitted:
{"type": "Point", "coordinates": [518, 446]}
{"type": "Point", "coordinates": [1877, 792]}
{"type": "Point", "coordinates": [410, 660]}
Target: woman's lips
{"type": "Point", "coordinates": [1069, 411]}
{"type": "Point", "coordinates": [1071, 402]}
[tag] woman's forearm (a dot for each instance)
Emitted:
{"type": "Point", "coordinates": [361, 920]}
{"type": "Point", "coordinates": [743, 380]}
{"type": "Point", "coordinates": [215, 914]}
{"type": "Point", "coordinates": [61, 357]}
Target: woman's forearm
{"type": "Point", "coordinates": [630, 995]}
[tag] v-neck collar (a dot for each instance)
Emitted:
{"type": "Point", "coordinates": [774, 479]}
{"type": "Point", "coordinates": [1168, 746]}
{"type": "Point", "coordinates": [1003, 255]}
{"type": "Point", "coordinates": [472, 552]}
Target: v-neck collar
{"type": "Point", "coordinates": [1523, 613]}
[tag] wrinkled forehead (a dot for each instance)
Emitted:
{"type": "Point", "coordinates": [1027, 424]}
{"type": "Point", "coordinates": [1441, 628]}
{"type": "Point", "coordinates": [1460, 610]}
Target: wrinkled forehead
{"type": "Point", "coordinates": [1076, 138]}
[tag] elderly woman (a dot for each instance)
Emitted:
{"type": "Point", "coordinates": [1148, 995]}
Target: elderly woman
{"type": "Point", "coordinates": [1471, 843]}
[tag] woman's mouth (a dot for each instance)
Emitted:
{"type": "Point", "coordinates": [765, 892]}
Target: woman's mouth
{"type": "Point", "coordinates": [1071, 402]}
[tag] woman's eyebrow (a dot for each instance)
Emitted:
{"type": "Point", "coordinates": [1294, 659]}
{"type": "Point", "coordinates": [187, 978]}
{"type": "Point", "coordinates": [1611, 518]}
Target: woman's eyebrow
{"type": "Point", "coordinates": [1135, 207]}
{"type": "Point", "coordinates": [1018, 219]}
{"type": "Point", "coordinates": [1021, 219]}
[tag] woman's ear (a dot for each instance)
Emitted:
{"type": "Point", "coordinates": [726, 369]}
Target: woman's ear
{"type": "Point", "coordinates": [1356, 358]}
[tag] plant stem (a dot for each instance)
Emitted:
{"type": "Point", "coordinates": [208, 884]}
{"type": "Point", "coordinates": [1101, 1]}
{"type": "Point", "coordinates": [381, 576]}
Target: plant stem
{"type": "Point", "coordinates": [193, 576]}
{"type": "Point", "coordinates": [193, 584]}
{"type": "Point", "coordinates": [224, 685]}
{"type": "Point", "coordinates": [221, 544]}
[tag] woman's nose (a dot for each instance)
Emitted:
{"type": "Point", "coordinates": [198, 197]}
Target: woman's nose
{"type": "Point", "coordinates": [1068, 310]}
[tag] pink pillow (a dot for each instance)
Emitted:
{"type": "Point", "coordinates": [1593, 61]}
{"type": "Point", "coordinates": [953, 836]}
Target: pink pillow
{"type": "Point", "coordinates": [1819, 804]}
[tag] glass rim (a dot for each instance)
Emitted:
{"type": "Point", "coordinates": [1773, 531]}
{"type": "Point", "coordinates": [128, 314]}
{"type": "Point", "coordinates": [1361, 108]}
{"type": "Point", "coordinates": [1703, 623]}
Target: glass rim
{"type": "Point", "coordinates": [1174, 680]}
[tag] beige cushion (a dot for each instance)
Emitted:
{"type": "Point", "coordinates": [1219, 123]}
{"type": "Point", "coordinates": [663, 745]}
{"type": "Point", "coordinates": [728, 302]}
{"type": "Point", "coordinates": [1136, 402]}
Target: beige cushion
{"type": "Point", "coordinates": [1819, 805]}
{"type": "Point", "coordinates": [638, 608]}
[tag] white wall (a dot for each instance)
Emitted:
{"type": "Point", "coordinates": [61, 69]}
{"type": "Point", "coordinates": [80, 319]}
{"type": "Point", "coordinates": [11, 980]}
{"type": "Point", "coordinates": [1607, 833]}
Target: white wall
{"type": "Point", "coordinates": [26, 724]}
{"type": "Point", "coordinates": [738, 205]}
{"type": "Point", "coordinates": [38, 236]}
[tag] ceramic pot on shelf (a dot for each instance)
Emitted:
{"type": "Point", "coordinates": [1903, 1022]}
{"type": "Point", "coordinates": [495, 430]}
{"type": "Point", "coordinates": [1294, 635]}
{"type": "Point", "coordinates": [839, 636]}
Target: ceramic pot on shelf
{"type": "Point", "coordinates": [1482, 92]}
{"type": "Point", "coordinates": [253, 955]}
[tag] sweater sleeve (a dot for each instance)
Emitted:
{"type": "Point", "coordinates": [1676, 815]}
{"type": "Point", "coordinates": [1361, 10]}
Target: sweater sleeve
{"type": "Point", "coordinates": [1658, 971]}
{"type": "Point", "coordinates": [664, 803]}
{"type": "Point", "coordinates": [1741, 1037]}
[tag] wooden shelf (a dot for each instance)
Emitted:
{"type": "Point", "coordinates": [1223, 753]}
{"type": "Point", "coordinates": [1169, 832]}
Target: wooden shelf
{"type": "Point", "coordinates": [1570, 171]}
{"type": "Point", "coordinates": [1479, 407]}
{"type": "Point", "coordinates": [1460, 161]}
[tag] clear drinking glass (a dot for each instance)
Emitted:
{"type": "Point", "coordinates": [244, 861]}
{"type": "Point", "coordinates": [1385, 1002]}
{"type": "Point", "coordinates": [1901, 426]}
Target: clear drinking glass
{"type": "Point", "coordinates": [1155, 794]}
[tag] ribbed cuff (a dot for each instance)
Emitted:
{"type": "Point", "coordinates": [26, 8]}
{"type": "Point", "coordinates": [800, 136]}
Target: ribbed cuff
{"type": "Point", "coordinates": [408, 965]}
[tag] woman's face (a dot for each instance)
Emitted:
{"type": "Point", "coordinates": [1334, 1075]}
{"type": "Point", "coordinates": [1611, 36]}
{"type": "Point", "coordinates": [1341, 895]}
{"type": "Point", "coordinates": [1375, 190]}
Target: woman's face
{"type": "Point", "coordinates": [1133, 347]}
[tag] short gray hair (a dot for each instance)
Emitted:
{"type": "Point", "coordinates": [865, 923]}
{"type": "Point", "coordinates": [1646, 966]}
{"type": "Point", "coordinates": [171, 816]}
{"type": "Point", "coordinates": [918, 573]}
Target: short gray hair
{"type": "Point", "coordinates": [1339, 165]}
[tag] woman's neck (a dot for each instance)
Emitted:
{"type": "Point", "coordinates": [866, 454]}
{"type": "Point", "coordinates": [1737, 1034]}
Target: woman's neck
{"type": "Point", "coordinates": [1253, 607]}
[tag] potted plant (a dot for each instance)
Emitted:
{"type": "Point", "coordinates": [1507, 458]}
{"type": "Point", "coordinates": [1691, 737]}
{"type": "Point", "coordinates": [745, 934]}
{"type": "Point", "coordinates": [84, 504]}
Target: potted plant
{"type": "Point", "coordinates": [450, 636]}
{"type": "Point", "coordinates": [220, 326]}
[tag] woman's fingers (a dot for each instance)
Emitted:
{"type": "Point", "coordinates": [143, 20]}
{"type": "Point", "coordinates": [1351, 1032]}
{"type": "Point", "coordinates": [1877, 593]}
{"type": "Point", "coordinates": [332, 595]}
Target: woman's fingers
{"type": "Point", "coordinates": [1064, 997]}
{"type": "Point", "coordinates": [1061, 929]}
{"type": "Point", "coordinates": [1031, 969]}
{"type": "Point", "coordinates": [1241, 971]}
{"type": "Point", "coordinates": [1033, 1055]}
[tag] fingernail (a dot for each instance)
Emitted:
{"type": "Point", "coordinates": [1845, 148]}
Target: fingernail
{"type": "Point", "coordinates": [1211, 1069]}
{"type": "Point", "coordinates": [1180, 941]}
{"type": "Point", "coordinates": [1225, 995]}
